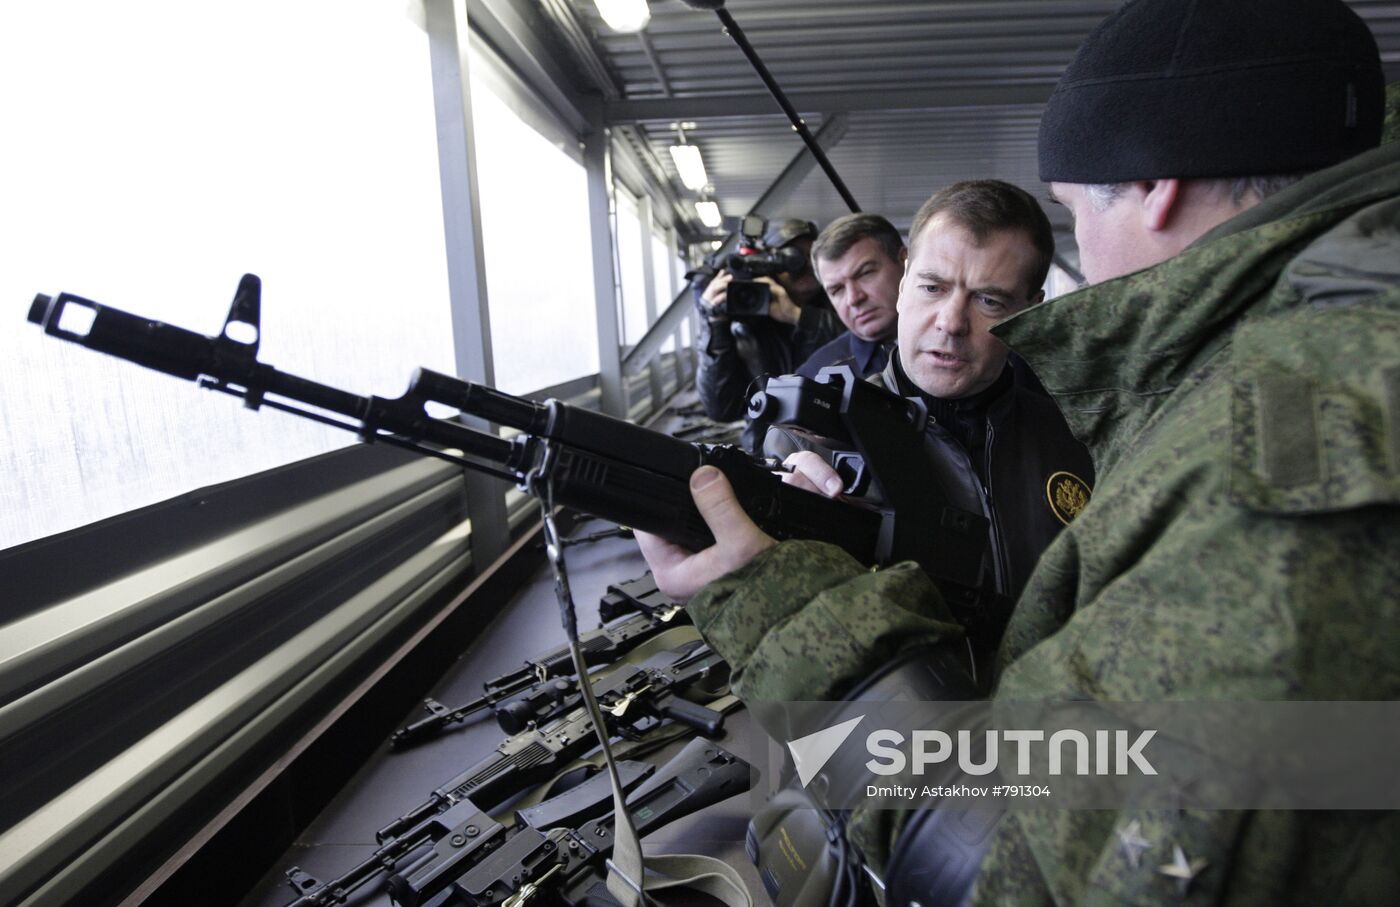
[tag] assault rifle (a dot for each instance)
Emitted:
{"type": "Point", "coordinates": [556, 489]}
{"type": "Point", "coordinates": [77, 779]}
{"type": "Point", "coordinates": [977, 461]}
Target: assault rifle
{"type": "Point", "coordinates": [573, 457]}
{"type": "Point", "coordinates": [633, 699]}
{"type": "Point", "coordinates": [638, 595]}
{"type": "Point", "coordinates": [540, 679]}
{"type": "Point", "coordinates": [547, 700]}
{"type": "Point", "coordinates": [565, 855]}
{"type": "Point", "coordinates": [615, 532]}
{"type": "Point", "coordinates": [558, 843]}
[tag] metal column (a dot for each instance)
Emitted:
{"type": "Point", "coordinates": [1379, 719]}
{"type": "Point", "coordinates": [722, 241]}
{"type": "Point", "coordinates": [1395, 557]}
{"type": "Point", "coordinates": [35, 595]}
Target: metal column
{"type": "Point", "coordinates": [466, 265]}
{"type": "Point", "coordinates": [597, 163]}
{"type": "Point", "coordinates": [682, 361]}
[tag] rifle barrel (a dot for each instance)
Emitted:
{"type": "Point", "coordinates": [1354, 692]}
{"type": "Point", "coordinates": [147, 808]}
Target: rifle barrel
{"type": "Point", "coordinates": [588, 461]}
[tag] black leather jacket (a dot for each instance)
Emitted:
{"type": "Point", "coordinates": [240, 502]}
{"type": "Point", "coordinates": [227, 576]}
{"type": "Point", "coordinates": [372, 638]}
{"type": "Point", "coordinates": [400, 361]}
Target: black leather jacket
{"type": "Point", "coordinates": [1005, 453]}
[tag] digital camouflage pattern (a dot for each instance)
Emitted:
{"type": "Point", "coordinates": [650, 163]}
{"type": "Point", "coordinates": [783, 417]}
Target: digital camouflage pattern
{"type": "Point", "coordinates": [1242, 404]}
{"type": "Point", "coordinates": [800, 607]}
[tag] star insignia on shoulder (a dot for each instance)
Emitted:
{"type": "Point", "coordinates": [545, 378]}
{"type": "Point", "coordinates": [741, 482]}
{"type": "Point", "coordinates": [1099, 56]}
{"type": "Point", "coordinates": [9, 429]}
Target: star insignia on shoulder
{"type": "Point", "coordinates": [1181, 869]}
{"type": "Point", "coordinates": [1132, 843]}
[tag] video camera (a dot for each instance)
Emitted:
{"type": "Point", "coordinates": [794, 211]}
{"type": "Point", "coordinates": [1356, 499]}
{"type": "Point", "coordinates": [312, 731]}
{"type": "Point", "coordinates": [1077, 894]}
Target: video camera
{"type": "Point", "coordinates": [746, 298]}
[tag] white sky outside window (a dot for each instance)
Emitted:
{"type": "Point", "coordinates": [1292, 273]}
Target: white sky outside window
{"type": "Point", "coordinates": [679, 273]}
{"type": "Point", "coordinates": [662, 278]}
{"type": "Point", "coordinates": [632, 275]}
{"type": "Point", "coordinates": [158, 150]}
{"type": "Point", "coordinates": [535, 232]}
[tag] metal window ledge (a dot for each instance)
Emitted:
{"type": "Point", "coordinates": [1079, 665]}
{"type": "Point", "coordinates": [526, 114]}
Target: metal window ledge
{"type": "Point", "coordinates": [127, 703]}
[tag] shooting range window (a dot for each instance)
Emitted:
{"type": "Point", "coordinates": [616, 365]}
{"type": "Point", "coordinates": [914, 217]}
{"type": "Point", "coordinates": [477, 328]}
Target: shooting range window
{"type": "Point", "coordinates": [534, 227]}
{"type": "Point", "coordinates": [678, 269]}
{"type": "Point", "coordinates": [631, 282]}
{"type": "Point", "coordinates": [271, 148]}
{"type": "Point", "coordinates": [663, 279]}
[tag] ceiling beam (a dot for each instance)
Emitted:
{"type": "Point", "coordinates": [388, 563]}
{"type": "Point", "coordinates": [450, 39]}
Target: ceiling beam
{"type": "Point", "coordinates": [566, 20]}
{"type": "Point", "coordinates": [924, 98]}
{"type": "Point", "coordinates": [517, 31]}
{"type": "Point", "coordinates": [832, 130]}
{"type": "Point", "coordinates": [650, 50]}
{"type": "Point", "coordinates": [830, 133]}
{"type": "Point", "coordinates": [634, 160]}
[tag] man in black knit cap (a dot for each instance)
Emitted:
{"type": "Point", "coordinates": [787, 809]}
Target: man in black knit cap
{"type": "Point", "coordinates": [1235, 372]}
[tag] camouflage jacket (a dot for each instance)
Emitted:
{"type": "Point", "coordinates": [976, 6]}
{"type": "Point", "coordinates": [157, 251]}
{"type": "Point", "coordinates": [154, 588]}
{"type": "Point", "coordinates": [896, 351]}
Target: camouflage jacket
{"type": "Point", "coordinates": [1242, 405]}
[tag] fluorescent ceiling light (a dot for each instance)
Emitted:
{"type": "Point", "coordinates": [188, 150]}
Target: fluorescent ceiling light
{"type": "Point", "coordinates": [690, 165]}
{"type": "Point", "coordinates": [624, 15]}
{"type": "Point", "coordinates": [708, 213]}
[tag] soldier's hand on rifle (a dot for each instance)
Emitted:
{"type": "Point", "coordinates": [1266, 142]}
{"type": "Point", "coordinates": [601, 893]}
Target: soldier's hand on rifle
{"type": "Point", "coordinates": [810, 471]}
{"type": "Point", "coordinates": [681, 573]}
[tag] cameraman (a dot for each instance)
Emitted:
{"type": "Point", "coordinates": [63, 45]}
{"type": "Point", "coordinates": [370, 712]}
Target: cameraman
{"type": "Point", "coordinates": [734, 351]}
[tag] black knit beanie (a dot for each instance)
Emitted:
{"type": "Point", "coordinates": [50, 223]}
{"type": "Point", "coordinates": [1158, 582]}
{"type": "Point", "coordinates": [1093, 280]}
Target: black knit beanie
{"type": "Point", "coordinates": [1214, 88]}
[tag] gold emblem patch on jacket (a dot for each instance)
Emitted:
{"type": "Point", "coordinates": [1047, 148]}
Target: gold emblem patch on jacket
{"type": "Point", "coordinates": [1067, 494]}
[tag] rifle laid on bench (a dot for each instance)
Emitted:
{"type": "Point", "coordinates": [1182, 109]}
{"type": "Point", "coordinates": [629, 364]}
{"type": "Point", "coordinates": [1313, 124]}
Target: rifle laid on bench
{"type": "Point", "coordinates": [545, 677]}
{"type": "Point", "coordinates": [634, 698]}
{"type": "Point", "coordinates": [466, 856]}
{"type": "Point", "coordinates": [565, 455]}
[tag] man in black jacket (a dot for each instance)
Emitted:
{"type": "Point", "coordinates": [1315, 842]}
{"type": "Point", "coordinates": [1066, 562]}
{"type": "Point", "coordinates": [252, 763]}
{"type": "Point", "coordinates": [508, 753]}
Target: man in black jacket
{"type": "Point", "coordinates": [979, 252]}
{"type": "Point", "coordinates": [732, 353]}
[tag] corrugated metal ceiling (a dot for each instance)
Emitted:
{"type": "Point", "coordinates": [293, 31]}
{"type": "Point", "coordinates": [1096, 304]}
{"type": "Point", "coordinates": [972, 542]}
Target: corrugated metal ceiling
{"type": "Point", "coordinates": [934, 90]}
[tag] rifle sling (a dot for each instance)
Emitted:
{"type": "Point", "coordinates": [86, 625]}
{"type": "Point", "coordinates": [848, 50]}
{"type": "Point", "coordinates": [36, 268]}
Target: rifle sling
{"type": "Point", "coordinates": [680, 871]}
{"type": "Point", "coordinates": [694, 872]}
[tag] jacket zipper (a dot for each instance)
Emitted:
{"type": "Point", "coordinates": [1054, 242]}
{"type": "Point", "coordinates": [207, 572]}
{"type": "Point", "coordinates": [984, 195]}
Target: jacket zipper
{"type": "Point", "coordinates": [999, 565]}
